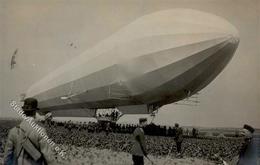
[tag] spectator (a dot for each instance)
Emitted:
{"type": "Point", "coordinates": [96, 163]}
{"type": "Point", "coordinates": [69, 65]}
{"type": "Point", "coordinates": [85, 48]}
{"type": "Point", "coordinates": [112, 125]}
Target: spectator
{"type": "Point", "coordinates": [194, 132]}
{"type": "Point", "coordinates": [178, 137]}
{"type": "Point", "coordinates": [24, 145]}
{"type": "Point", "coordinates": [200, 147]}
{"type": "Point", "coordinates": [139, 146]}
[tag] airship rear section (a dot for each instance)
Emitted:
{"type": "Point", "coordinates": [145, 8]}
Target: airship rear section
{"type": "Point", "coordinates": [157, 59]}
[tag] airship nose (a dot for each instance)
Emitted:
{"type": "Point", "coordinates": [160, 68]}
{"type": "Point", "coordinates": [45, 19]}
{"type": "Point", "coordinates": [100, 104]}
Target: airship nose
{"type": "Point", "coordinates": [233, 35]}
{"type": "Point", "coordinates": [234, 39]}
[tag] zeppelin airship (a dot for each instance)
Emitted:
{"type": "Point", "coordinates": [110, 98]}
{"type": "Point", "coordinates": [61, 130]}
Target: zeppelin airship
{"type": "Point", "coordinates": [159, 58]}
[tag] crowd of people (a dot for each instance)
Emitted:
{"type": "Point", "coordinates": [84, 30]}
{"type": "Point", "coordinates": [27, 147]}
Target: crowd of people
{"type": "Point", "coordinates": [93, 135]}
{"type": "Point", "coordinates": [112, 115]}
{"type": "Point", "coordinates": [151, 129]}
{"type": "Point", "coordinates": [5, 126]}
{"type": "Point", "coordinates": [119, 138]}
{"type": "Point", "coordinates": [3, 135]}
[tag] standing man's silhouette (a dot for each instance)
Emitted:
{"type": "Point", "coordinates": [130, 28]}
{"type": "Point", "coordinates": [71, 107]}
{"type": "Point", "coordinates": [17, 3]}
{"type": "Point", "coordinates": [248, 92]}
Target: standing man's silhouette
{"type": "Point", "coordinates": [178, 137]}
{"type": "Point", "coordinates": [139, 146]}
{"type": "Point", "coordinates": [25, 146]}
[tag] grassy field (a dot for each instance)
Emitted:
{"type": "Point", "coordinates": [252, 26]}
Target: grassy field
{"type": "Point", "coordinates": [96, 148]}
{"type": "Point", "coordinates": [93, 156]}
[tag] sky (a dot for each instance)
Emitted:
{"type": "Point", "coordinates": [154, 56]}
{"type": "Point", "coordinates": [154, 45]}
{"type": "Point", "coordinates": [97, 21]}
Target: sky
{"type": "Point", "coordinates": [42, 31]}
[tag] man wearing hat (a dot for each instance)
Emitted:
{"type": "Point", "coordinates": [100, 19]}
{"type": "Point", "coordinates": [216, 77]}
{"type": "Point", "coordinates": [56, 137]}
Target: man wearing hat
{"type": "Point", "coordinates": [24, 145]}
{"type": "Point", "coordinates": [178, 138]}
{"type": "Point", "coordinates": [248, 151]}
{"type": "Point", "coordinates": [139, 145]}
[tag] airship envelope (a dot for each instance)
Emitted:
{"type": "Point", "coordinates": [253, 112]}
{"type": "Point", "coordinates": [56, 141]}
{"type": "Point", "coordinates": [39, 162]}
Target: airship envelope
{"type": "Point", "coordinates": [159, 58]}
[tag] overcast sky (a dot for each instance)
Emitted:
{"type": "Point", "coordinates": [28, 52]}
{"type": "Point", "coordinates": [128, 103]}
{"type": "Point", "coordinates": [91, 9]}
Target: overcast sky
{"type": "Point", "coordinates": [43, 30]}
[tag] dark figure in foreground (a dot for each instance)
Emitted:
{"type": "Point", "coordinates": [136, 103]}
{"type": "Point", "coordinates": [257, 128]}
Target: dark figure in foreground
{"type": "Point", "coordinates": [178, 137]}
{"type": "Point", "coordinates": [139, 146]}
{"type": "Point", "coordinates": [248, 152]}
{"type": "Point", "coordinates": [24, 145]}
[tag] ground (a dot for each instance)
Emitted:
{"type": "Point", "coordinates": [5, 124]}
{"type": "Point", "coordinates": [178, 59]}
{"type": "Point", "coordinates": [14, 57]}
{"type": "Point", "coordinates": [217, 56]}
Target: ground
{"type": "Point", "coordinates": [92, 156]}
{"type": "Point", "coordinates": [83, 147]}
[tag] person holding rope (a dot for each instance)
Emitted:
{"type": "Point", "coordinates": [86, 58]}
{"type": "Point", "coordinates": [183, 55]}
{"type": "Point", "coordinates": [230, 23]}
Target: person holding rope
{"type": "Point", "coordinates": [139, 145]}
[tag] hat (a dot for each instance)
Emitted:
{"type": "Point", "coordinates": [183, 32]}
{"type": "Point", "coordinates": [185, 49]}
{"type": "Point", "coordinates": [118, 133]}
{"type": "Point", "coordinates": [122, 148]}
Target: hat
{"type": "Point", "coordinates": [249, 128]}
{"type": "Point", "coordinates": [30, 104]}
{"type": "Point", "coordinates": [142, 120]}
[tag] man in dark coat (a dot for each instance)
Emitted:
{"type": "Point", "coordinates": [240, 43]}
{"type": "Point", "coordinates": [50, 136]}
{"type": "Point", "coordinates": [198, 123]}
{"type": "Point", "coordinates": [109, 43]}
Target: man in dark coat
{"type": "Point", "coordinates": [178, 137]}
{"type": "Point", "coordinates": [139, 145]}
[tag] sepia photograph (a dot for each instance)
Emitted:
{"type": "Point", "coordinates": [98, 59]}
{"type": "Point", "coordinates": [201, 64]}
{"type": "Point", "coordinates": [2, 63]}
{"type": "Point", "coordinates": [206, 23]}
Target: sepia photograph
{"type": "Point", "coordinates": [130, 82]}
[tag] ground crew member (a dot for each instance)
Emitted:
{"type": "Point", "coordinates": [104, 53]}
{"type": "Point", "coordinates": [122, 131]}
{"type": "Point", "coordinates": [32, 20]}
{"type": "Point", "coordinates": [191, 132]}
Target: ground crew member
{"type": "Point", "coordinates": [24, 145]}
{"type": "Point", "coordinates": [178, 137]}
{"type": "Point", "coordinates": [108, 129]}
{"type": "Point", "coordinates": [248, 152]}
{"type": "Point", "coordinates": [139, 145]}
